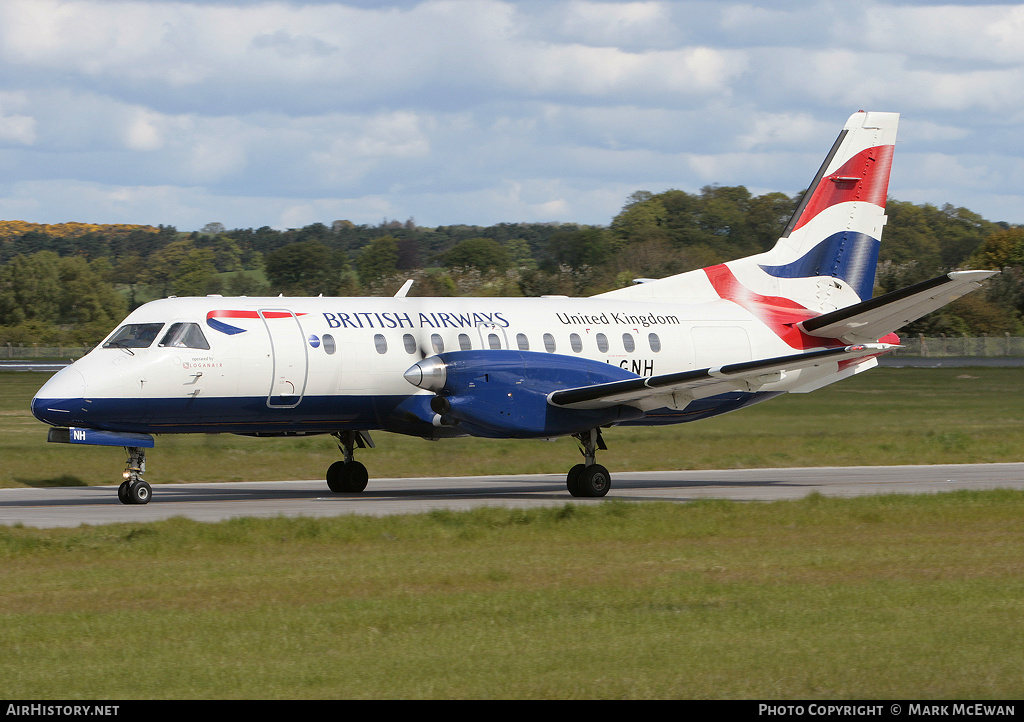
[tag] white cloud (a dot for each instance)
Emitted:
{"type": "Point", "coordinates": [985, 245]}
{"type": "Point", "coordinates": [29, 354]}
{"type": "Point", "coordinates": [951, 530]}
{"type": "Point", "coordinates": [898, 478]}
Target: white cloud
{"type": "Point", "coordinates": [334, 53]}
{"type": "Point", "coordinates": [989, 33]}
{"type": "Point", "coordinates": [217, 155]}
{"type": "Point", "coordinates": [630, 25]}
{"type": "Point", "coordinates": [482, 111]}
{"type": "Point", "coordinates": [18, 129]}
{"type": "Point", "coordinates": [15, 127]}
{"type": "Point", "coordinates": [776, 130]}
{"type": "Point", "coordinates": [990, 185]}
{"type": "Point", "coordinates": [142, 132]}
{"type": "Point", "coordinates": [355, 145]}
{"type": "Point", "coordinates": [294, 46]}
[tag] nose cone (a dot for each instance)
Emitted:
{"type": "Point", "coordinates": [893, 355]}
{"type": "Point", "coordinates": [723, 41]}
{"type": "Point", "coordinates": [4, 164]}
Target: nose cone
{"type": "Point", "coordinates": [430, 374]}
{"type": "Point", "coordinates": [60, 399]}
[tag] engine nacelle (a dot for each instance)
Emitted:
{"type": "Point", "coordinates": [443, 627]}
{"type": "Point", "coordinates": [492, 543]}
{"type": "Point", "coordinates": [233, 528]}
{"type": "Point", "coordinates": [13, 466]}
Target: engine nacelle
{"type": "Point", "coordinates": [503, 393]}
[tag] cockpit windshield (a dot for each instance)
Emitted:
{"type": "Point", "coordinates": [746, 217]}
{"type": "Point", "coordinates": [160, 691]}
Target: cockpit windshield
{"type": "Point", "coordinates": [134, 335]}
{"type": "Point", "coordinates": [185, 335]}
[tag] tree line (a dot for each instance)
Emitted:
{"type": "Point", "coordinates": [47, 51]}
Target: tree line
{"type": "Point", "coordinates": [71, 283]}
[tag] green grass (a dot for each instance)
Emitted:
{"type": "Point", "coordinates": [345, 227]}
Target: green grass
{"type": "Point", "coordinates": [885, 416]}
{"type": "Point", "coordinates": [883, 597]}
{"type": "Point", "coordinates": [886, 597]}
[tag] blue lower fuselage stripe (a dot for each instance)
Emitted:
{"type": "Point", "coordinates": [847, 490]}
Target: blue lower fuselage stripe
{"type": "Point", "coordinates": [313, 414]}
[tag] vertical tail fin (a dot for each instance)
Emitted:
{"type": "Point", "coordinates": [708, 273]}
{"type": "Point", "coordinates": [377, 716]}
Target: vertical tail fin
{"type": "Point", "coordinates": [837, 227]}
{"type": "Point", "coordinates": [827, 255]}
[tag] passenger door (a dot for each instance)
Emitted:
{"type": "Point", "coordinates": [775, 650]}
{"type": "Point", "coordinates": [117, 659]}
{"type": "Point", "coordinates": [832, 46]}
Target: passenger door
{"type": "Point", "coordinates": [290, 360]}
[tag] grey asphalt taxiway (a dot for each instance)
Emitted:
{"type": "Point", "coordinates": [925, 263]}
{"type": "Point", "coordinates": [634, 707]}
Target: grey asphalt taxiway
{"type": "Point", "coordinates": [72, 506]}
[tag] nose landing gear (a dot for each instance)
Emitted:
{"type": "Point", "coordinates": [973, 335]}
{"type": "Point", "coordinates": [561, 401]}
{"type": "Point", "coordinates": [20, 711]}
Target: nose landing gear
{"type": "Point", "coordinates": [349, 475]}
{"type": "Point", "coordinates": [133, 490]}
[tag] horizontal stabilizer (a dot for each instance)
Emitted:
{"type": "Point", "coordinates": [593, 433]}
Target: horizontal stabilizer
{"type": "Point", "coordinates": [748, 374]}
{"type": "Point", "coordinates": [877, 317]}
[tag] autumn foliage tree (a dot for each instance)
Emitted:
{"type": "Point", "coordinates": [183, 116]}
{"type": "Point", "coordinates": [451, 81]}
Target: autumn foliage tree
{"type": "Point", "coordinates": [62, 280]}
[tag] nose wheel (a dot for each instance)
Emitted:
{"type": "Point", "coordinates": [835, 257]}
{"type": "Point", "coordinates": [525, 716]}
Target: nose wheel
{"type": "Point", "coordinates": [349, 475]}
{"type": "Point", "coordinates": [133, 490]}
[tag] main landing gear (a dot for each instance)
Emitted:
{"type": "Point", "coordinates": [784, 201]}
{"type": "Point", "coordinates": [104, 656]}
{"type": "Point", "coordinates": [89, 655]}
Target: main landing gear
{"type": "Point", "coordinates": [349, 475]}
{"type": "Point", "coordinates": [133, 490]}
{"type": "Point", "coordinates": [589, 478]}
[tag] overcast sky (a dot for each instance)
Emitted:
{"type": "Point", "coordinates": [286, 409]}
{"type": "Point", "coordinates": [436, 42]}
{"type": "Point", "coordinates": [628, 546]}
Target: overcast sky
{"type": "Point", "coordinates": [487, 111]}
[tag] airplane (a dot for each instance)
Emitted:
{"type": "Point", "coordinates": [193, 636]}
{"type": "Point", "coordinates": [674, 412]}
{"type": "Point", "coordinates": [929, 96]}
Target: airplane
{"type": "Point", "coordinates": [673, 350]}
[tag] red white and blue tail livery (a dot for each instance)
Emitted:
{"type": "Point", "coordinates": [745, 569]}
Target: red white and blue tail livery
{"type": "Point", "coordinates": [682, 348]}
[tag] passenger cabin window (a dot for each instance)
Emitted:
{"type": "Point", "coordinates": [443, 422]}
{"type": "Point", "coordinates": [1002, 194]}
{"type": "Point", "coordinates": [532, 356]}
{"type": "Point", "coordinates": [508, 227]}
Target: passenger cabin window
{"type": "Point", "coordinates": [410, 343]}
{"type": "Point", "coordinates": [464, 343]}
{"type": "Point", "coordinates": [522, 342]}
{"type": "Point", "coordinates": [549, 343]}
{"type": "Point", "coordinates": [437, 343]}
{"type": "Point", "coordinates": [493, 341]}
{"type": "Point", "coordinates": [134, 335]}
{"type": "Point", "coordinates": [576, 342]}
{"type": "Point", "coordinates": [185, 335]}
{"type": "Point", "coordinates": [329, 345]}
{"type": "Point", "coordinates": [627, 342]}
{"type": "Point", "coordinates": [655, 342]}
{"type": "Point", "coordinates": [380, 343]}
{"type": "Point", "coordinates": [602, 343]}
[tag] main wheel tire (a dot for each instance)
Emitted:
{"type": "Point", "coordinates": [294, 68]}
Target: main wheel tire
{"type": "Point", "coordinates": [572, 480]}
{"type": "Point", "coordinates": [356, 477]}
{"type": "Point", "coordinates": [140, 492]}
{"type": "Point", "coordinates": [347, 477]}
{"type": "Point", "coordinates": [594, 481]}
{"type": "Point", "coordinates": [335, 476]}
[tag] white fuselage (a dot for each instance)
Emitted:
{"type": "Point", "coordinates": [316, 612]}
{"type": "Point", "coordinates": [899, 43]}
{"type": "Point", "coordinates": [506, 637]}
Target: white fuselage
{"type": "Point", "coordinates": [291, 365]}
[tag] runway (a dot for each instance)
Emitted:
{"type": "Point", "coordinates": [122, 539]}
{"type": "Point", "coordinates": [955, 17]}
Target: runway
{"type": "Point", "coordinates": [94, 505]}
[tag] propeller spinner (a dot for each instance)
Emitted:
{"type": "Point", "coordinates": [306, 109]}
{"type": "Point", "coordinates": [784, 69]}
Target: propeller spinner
{"type": "Point", "coordinates": [430, 374]}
